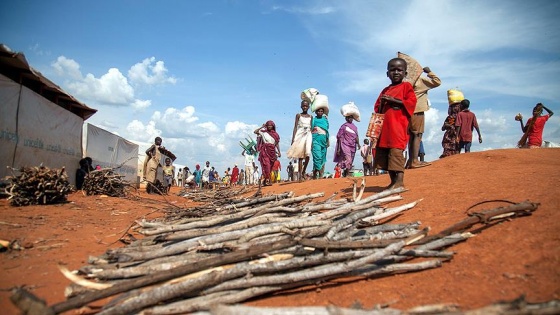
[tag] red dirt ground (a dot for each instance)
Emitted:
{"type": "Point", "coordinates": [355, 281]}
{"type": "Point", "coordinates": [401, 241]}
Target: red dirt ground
{"type": "Point", "coordinates": [509, 259]}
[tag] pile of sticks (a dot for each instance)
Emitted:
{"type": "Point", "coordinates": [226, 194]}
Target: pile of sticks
{"type": "Point", "coordinates": [106, 182]}
{"type": "Point", "coordinates": [249, 249]}
{"type": "Point", "coordinates": [38, 185]}
{"type": "Point", "coordinates": [213, 201]}
{"type": "Point", "coordinates": [215, 197]}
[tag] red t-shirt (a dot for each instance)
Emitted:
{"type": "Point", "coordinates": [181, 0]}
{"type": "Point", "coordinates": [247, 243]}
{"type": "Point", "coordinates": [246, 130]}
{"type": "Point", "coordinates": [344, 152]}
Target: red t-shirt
{"type": "Point", "coordinates": [467, 121]}
{"type": "Point", "coordinates": [394, 133]}
{"type": "Point", "coordinates": [534, 136]}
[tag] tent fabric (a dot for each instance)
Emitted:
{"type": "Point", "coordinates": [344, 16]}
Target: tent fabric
{"type": "Point", "coordinates": [15, 66]}
{"type": "Point", "coordinates": [110, 151]}
{"type": "Point", "coordinates": [36, 131]}
{"type": "Point", "coordinates": [9, 100]}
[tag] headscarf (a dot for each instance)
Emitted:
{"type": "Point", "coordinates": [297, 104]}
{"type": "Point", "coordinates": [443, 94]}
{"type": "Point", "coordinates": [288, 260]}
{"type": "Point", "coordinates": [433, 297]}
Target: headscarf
{"type": "Point", "coordinates": [197, 167]}
{"type": "Point", "coordinates": [273, 132]}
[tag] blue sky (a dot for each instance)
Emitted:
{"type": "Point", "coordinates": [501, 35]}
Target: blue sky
{"type": "Point", "coordinates": [204, 74]}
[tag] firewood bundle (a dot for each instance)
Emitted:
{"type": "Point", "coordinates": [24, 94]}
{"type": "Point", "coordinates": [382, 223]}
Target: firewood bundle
{"type": "Point", "coordinates": [253, 248]}
{"type": "Point", "coordinates": [38, 185]}
{"type": "Point", "coordinates": [106, 182]}
{"type": "Point", "coordinates": [215, 196]}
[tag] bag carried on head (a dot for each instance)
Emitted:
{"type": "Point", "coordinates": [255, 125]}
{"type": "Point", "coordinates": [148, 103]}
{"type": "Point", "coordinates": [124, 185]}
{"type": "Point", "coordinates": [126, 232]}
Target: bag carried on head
{"type": "Point", "coordinates": [454, 96]}
{"type": "Point", "coordinates": [350, 109]}
{"type": "Point", "coordinates": [320, 101]}
{"type": "Point", "coordinates": [309, 95]}
{"type": "Point", "coordinates": [413, 68]}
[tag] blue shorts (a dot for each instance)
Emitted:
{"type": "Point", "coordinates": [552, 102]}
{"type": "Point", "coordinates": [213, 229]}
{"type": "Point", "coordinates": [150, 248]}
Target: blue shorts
{"type": "Point", "coordinates": [465, 145]}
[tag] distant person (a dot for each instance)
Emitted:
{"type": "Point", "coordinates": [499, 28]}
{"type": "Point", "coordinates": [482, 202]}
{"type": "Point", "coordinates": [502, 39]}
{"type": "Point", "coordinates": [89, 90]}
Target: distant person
{"type": "Point", "coordinates": [466, 121]}
{"type": "Point", "coordinates": [533, 130]}
{"type": "Point", "coordinates": [301, 139]}
{"type": "Point", "coordinates": [296, 168]}
{"type": "Point", "coordinates": [180, 177]}
{"type": "Point", "coordinates": [249, 165]}
{"type": "Point", "coordinates": [89, 161]}
{"type": "Point", "coordinates": [206, 171]}
{"type": "Point", "coordinates": [367, 158]}
{"type": "Point", "coordinates": [241, 179]}
{"type": "Point", "coordinates": [168, 175]}
{"type": "Point", "coordinates": [417, 121]}
{"type": "Point", "coordinates": [190, 181]}
{"type": "Point", "coordinates": [268, 145]}
{"type": "Point", "coordinates": [234, 175]}
{"type": "Point", "coordinates": [290, 170]}
{"type": "Point", "coordinates": [226, 180]}
{"type": "Point", "coordinates": [347, 140]}
{"type": "Point", "coordinates": [275, 174]}
{"type": "Point", "coordinates": [337, 171]}
{"type": "Point", "coordinates": [197, 176]}
{"type": "Point", "coordinates": [449, 142]}
{"type": "Point", "coordinates": [397, 101]}
{"type": "Point", "coordinates": [256, 176]}
{"type": "Point", "coordinates": [320, 143]}
{"type": "Point", "coordinates": [212, 175]}
{"type": "Point", "coordinates": [81, 173]}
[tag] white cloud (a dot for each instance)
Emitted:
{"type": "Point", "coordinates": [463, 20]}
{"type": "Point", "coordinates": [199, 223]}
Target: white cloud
{"type": "Point", "coordinates": [150, 72]}
{"type": "Point", "coordinates": [490, 121]}
{"type": "Point", "coordinates": [141, 104]}
{"type": "Point", "coordinates": [67, 67]}
{"type": "Point", "coordinates": [238, 130]}
{"type": "Point", "coordinates": [139, 131]}
{"type": "Point", "coordinates": [112, 87]}
{"type": "Point", "coordinates": [306, 10]}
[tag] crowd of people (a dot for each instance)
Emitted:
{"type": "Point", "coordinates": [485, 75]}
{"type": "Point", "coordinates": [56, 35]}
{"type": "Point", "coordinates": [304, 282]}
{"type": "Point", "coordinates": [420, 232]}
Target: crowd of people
{"type": "Point", "coordinates": [395, 146]}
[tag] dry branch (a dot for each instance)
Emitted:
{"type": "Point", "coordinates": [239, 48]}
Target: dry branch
{"type": "Point", "coordinates": [38, 186]}
{"type": "Point", "coordinates": [106, 182]}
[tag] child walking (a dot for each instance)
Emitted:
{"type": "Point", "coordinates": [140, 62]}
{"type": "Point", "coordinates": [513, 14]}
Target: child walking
{"type": "Point", "coordinates": [533, 130]}
{"type": "Point", "coordinates": [302, 139]}
{"type": "Point", "coordinates": [466, 121]}
{"type": "Point", "coordinates": [397, 101]}
{"type": "Point", "coordinates": [168, 175]}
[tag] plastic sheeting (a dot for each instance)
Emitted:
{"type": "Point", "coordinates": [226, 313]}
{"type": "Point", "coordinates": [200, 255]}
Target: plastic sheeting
{"type": "Point", "coordinates": [36, 131]}
{"type": "Point", "coordinates": [109, 151]}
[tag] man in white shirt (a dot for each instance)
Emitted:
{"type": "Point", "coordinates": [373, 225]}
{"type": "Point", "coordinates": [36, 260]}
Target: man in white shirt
{"type": "Point", "coordinates": [256, 177]}
{"type": "Point", "coordinates": [249, 166]}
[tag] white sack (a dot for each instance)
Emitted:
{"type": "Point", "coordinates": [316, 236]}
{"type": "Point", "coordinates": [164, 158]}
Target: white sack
{"type": "Point", "coordinates": [350, 109]}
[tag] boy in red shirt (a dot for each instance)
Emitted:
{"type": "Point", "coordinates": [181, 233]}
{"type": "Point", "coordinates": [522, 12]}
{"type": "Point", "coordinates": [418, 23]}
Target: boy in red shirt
{"type": "Point", "coordinates": [397, 101]}
{"type": "Point", "coordinates": [464, 124]}
{"type": "Point", "coordinates": [534, 128]}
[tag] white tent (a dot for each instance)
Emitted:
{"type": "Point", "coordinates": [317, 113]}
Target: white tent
{"type": "Point", "coordinates": [39, 122]}
{"type": "Point", "coordinates": [111, 151]}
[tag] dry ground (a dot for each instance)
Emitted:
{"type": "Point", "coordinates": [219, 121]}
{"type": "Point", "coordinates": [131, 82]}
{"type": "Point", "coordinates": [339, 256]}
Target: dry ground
{"type": "Point", "coordinates": [502, 262]}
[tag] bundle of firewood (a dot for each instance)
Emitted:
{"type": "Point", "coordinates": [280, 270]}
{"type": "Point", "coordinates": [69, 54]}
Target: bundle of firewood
{"type": "Point", "coordinates": [38, 185]}
{"type": "Point", "coordinates": [106, 182]}
{"type": "Point", "coordinates": [257, 246]}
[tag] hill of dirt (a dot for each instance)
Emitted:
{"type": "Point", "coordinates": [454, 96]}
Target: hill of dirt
{"type": "Point", "coordinates": [503, 262]}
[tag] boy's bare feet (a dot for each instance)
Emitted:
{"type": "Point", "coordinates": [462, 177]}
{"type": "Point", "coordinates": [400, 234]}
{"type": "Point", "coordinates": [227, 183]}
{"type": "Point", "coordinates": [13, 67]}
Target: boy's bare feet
{"type": "Point", "coordinates": [419, 164]}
